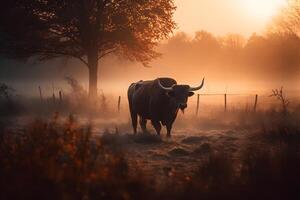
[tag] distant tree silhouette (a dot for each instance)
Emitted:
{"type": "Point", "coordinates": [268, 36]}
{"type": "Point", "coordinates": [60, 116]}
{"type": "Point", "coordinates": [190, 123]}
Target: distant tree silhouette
{"type": "Point", "coordinates": [233, 42]}
{"type": "Point", "coordinates": [266, 57]}
{"type": "Point", "coordinates": [206, 40]}
{"type": "Point", "coordinates": [288, 19]}
{"type": "Point", "coordinates": [84, 29]}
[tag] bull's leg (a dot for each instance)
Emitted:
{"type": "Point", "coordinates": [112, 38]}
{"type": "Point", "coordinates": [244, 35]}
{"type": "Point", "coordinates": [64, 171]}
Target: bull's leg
{"type": "Point", "coordinates": [134, 121]}
{"type": "Point", "coordinates": [143, 123]}
{"type": "Point", "coordinates": [169, 128]}
{"type": "Point", "coordinates": [157, 126]}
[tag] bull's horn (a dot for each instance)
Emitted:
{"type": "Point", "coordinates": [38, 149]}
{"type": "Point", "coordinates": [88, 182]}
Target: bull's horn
{"type": "Point", "coordinates": [165, 88]}
{"type": "Point", "coordinates": [199, 87]}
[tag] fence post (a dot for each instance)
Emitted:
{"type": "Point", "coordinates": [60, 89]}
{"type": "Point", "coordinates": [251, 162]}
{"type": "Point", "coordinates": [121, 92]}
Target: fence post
{"type": "Point", "coordinates": [41, 95]}
{"type": "Point", "coordinates": [53, 98]}
{"type": "Point", "coordinates": [225, 102]}
{"type": "Point", "coordinates": [60, 97]}
{"type": "Point", "coordinates": [197, 108]}
{"type": "Point", "coordinates": [119, 104]}
{"type": "Point", "coordinates": [255, 103]}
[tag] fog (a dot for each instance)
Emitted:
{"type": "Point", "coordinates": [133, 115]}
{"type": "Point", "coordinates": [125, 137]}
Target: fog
{"type": "Point", "coordinates": [226, 16]}
{"type": "Point", "coordinates": [230, 63]}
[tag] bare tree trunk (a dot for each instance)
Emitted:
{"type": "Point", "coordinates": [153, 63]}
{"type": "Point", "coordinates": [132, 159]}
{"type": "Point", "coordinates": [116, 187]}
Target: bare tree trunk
{"type": "Point", "coordinates": [93, 75]}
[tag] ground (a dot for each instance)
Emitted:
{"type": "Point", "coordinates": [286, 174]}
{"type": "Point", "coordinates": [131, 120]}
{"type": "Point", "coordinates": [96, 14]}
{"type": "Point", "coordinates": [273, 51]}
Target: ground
{"type": "Point", "coordinates": [235, 154]}
{"type": "Point", "coordinates": [161, 156]}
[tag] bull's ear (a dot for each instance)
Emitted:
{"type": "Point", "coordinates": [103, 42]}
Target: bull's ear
{"type": "Point", "coordinates": [171, 93]}
{"type": "Point", "coordinates": [191, 94]}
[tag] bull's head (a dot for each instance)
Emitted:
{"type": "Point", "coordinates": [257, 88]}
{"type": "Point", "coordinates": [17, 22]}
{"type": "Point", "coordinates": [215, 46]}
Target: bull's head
{"type": "Point", "coordinates": [180, 93]}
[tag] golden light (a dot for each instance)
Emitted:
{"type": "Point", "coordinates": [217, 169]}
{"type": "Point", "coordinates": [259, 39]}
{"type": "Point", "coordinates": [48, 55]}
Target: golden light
{"type": "Point", "coordinates": [262, 9]}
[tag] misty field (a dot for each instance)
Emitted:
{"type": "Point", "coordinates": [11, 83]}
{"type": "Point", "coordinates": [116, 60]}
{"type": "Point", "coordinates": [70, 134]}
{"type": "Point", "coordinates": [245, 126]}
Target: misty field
{"type": "Point", "coordinates": [49, 153]}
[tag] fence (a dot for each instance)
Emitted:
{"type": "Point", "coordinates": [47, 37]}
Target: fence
{"type": "Point", "coordinates": [252, 105]}
{"type": "Point", "coordinates": [60, 96]}
{"type": "Point", "coordinates": [197, 105]}
{"type": "Point", "coordinates": [226, 96]}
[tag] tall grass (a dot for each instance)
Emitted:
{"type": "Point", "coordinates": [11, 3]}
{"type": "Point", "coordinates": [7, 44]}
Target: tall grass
{"type": "Point", "coordinates": [64, 160]}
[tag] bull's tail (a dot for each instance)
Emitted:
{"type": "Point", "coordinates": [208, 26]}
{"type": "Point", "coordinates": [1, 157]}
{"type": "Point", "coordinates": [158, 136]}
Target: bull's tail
{"type": "Point", "coordinates": [133, 114]}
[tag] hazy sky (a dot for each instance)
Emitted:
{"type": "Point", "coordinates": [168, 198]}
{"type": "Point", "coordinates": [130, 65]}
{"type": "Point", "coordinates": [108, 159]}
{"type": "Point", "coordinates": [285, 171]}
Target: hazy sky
{"type": "Point", "coordinates": [217, 16]}
{"type": "Point", "coordinates": [225, 16]}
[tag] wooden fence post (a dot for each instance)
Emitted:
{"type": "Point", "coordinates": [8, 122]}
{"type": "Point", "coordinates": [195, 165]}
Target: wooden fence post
{"type": "Point", "coordinates": [60, 97]}
{"type": "Point", "coordinates": [255, 103]}
{"type": "Point", "coordinates": [119, 104]}
{"type": "Point", "coordinates": [41, 95]}
{"type": "Point", "coordinates": [225, 102]}
{"type": "Point", "coordinates": [197, 108]}
{"type": "Point", "coordinates": [53, 98]}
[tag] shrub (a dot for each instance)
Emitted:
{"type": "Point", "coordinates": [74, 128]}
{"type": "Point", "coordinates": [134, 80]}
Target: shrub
{"type": "Point", "coordinates": [62, 161]}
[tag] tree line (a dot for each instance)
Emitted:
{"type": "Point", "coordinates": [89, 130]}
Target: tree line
{"type": "Point", "coordinates": [272, 54]}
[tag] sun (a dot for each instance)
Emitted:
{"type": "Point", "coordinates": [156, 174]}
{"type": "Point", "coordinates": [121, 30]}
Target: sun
{"type": "Point", "coordinates": [262, 9]}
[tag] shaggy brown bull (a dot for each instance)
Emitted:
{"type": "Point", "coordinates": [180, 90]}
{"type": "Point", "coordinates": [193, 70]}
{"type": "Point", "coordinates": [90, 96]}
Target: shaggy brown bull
{"type": "Point", "coordinates": [159, 101]}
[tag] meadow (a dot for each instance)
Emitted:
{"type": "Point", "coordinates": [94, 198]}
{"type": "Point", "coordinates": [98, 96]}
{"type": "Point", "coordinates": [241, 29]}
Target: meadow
{"type": "Point", "coordinates": [71, 150]}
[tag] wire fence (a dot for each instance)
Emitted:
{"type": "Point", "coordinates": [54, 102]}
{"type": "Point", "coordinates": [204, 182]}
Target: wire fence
{"type": "Point", "coordinates": [204, 102]}
{"type": "Point", "coordinates": [226, 102]}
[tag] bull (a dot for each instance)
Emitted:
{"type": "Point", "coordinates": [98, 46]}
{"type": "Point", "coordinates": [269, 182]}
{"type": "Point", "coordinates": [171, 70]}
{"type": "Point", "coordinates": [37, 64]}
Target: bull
{"type": "Point", "coordinates": [158, 101]}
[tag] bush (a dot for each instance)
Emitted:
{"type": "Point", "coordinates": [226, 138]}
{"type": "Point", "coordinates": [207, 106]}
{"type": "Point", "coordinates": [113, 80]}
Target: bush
{"type": "Point", "coordinates": [62, 161]}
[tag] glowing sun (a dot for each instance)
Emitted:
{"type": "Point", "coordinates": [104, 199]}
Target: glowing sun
{"type": "Point", "coordinates": [262, 9]}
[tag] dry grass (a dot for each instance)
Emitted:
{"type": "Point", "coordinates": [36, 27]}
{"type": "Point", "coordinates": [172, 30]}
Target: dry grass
{"type": "Point", "coordinates": [55, 160]}
{"type": "Point", "coordinates": [62, 161]}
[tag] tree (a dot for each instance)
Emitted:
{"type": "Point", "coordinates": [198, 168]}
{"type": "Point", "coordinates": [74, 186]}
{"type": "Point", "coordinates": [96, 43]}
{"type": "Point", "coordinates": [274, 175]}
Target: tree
{"type": "Point", "coordinates": [206, 40]}
{"type": "Point", "coordinates": [288, 20]}
{"type": "Point", "coordinates": [86, 30]}
{"type": "Point", "coordinates": [233, 42]}
{"type": "Point", "coordinates": [286, 26]}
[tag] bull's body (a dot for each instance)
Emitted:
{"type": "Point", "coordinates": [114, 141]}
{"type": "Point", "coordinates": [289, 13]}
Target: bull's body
{"type": "Point", "coordinates": [150, 102]}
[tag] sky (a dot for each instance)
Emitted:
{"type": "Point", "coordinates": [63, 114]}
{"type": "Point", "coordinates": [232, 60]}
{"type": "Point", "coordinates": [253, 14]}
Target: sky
{"type": "Point", "coordinates": [226, 16]}
{"type": "Point", "coordinates": [219, 17]}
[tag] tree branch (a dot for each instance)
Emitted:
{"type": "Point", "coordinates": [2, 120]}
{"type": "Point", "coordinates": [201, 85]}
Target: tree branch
{"type": "Point", "coordinates": [107, 52]}
{"type": "Point", "coordinates": [55, 52]}
{"type": "Point", "coordinates": [65, 35]}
